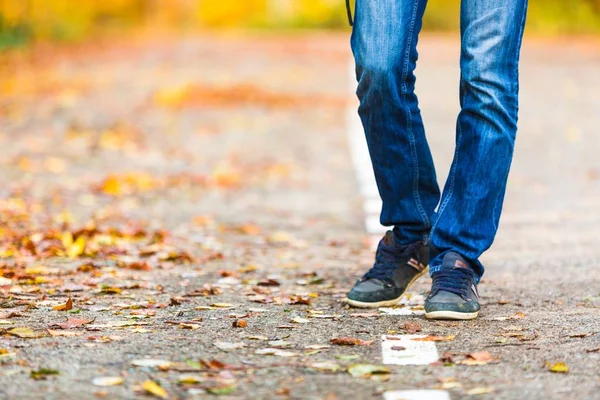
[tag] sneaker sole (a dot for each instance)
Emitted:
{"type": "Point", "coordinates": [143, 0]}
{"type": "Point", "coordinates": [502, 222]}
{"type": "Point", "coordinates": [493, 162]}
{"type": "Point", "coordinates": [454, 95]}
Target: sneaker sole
{"type": "Point", "coordinates": [453, 315]}
{"type": "Point", "coordinates": [386, 303]}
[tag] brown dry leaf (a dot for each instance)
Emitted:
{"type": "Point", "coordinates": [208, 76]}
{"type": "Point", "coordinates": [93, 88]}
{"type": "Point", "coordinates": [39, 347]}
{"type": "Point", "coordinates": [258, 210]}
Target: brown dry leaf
{"type": "Point", "coordinates": [579, 335]}
{"type": "Point", "coordinates": [348, 341]}
{"type": "Point", "coordinates": [72, 323]}
{"type": "Point", "coordinates": [64, 307]}
{"type": "Point", "coordinates": [185, 325]}
{"type": "Point", "coordinates": [596, 350]}
{"type": "Point", "coordinates": [478, 358]}
{"type": "Point", "coordinates": [431, 338]}
{"type": "Point", "coordinates": [153, 388]}
{"type": "Point", "coordinates": [411, 327]}
{"type": "Point", "coordinates": [215, 364]}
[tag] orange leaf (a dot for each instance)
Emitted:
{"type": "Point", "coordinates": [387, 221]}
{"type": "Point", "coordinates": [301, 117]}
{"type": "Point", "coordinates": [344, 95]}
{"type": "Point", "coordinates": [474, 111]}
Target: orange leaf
{"type": "Point", "coordinates": [64, 307]}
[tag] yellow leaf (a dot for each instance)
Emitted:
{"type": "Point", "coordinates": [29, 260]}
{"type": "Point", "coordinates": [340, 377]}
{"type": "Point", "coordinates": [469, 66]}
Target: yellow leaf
{"type": "Point", "coordinates": [77, 248]}
{"type": "Point", "coordinates": [36, 270]}
{"type": "Point", "coordinates": [112, 186]}
{"type": "Point", "coordinates": [559, 367]}
{"type": "Point", "coordinates": [66, 239]}
{"type": "Point", "coordinates": [64, 307]}
{"type": "Point", "coordinates": [23, 333]}
{"type": "Point", "coordinates": [153, 388]}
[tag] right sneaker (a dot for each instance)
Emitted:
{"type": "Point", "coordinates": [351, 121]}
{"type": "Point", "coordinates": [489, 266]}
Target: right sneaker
{"type": "Point", "coordinates": [396, 268]}
{"type": "Point", "coordinates": [454, 292]}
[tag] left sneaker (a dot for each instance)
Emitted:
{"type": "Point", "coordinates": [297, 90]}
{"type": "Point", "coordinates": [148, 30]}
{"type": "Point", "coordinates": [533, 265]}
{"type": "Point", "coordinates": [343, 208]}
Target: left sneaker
{"type": "Point", "coordinates": [454, 293]}
{"type": "Point", "coordinates": [396, 268]}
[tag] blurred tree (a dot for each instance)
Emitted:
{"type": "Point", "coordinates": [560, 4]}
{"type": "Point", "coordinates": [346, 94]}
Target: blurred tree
{"type": "Point", "coordinates": [23, 20]}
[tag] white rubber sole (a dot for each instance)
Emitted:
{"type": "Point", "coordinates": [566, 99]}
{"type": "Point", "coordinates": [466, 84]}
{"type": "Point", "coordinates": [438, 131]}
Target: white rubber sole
{"type": "Point", "coordinates": [454, 315]}
{"type": "Point", "coordinates": [386, 303]}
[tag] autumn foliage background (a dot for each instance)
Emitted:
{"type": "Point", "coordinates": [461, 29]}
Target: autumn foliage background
{"type": "Point", "coordinates": [23, 21]}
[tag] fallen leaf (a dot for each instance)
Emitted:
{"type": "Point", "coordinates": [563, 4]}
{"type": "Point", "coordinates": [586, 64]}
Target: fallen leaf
{"type": "Point", "coordinates": [257, 337]}
{"type": "Point", "coordinates": [280, 344]}
{"type": "Point", "coordinates": [348, 357]}
{"type": "Point", "coordinates": [326, 366]}
{"type": "Point", "coordinates": [153, 388]}
{"type": "Point", "coordinates": [299, 320]}
{"type": "Point", "coordinates": [240, 323]}
{"type": "Point", "coordinates": [222, 305]}
{"type": "Point", "coordinates": [479, 390]}
{"type": "Point", "coordinates": [411, 327]}
{"type": "Point", "coordinates": [152, 363]}
{"type": "Point", "coordinates": [108, 381]}
{"type": "Point", "coordinates": [185, 325]}
{"type": "Point", "coordinates": [72, 323]}
{"type": "Point", "coordinates": [558, 367]}
{"type": "Point", "coordinates": [226, 346]}
{"type": "Point", "coordinates": [579, 335]}
{"type": "Point", "coordinates": [64, 333]}
{"type": "Point", "coordinates": [317, 346]}
{"type": "Point", "coordinates": [518, 315]}
{"type": "Point", "coordinates": [110, 290]}
{"type": "Point", "coordinates": [478, 358]}
{"type": "Point", "coordinates": [190, 379]}
{"type": "Point", "coordinates": [347, 341]}
{"type": "Point", "coordinates": [276, 352]}
{"type": "Point", "coordinates": [23, 332]}
{"type": "Point", "coordinates": [448, 383]}
{"type": "Point", "coordinates": [42, 373]}
{"type": "Point", "coordinates": [220, 390]}
{"type": "Point", "coordinates": [378, 373]}
{"type": "Point", "coordinates": [431, 338]}
{"type": "Point", "coordinates": [596, 350]}
{"type": "Point", "coordinates": [64, 307]}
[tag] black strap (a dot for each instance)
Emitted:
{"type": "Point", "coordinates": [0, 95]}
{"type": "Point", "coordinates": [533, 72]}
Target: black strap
{"type": "Point", "coordinates": [349, 11]}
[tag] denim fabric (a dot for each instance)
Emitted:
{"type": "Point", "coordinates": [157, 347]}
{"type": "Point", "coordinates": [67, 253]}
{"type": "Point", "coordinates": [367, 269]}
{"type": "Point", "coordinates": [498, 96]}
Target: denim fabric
{"type": "Point", "coordinates": [384, 43]}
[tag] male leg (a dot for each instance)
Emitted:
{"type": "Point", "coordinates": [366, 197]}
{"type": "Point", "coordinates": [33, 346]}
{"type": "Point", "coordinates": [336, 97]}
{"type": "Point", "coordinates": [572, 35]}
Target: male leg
{"type": "Point", "coordinates": [384, 41]}
{"type": "Point", "coordinates": [469, 212]}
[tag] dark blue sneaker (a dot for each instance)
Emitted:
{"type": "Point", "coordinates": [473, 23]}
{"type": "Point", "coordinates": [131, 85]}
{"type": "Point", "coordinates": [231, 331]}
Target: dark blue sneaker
{"type": "Point", "coordinates": [396, 268]}
{"type": "Point", "coordinates": [454, 293]}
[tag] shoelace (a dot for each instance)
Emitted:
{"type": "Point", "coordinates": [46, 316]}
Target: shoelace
{"type": "Point", "coordinates": [457, 280]}
{"type": "Point", "coordinates": [387, 260]}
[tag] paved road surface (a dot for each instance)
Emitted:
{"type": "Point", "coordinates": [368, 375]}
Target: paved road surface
{"type": "Point", "coordinates": [253, 162]}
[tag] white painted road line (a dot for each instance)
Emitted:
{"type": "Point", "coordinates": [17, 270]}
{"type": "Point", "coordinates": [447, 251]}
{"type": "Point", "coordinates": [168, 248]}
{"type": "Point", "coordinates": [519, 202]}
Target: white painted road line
{"type": "Point", "coordinates": [403, 350]}
{"type": "Point", "coordinates": [362, 164]}
{"type": "Point", "coordinates": [417, 395]}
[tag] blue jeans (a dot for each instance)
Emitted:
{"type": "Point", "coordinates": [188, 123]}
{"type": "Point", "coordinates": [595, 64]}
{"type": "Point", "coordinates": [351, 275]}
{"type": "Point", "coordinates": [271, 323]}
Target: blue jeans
{"type": "Point", "coordinates": [384, 43]}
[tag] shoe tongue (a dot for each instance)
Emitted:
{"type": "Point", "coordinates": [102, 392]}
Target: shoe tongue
{"type": "Point", "coordinates": [454, 261]}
